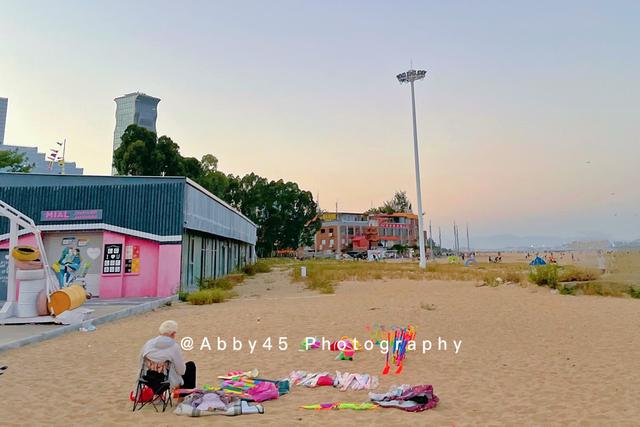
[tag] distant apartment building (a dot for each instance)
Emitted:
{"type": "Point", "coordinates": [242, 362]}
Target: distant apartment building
{"type": "Point", "coordinates": [4, 103]}
{"type": "Point", "coordinates": [32, 157]}
{"type": "Point", "coordinates": [40, 164]}
{"type": "Point", "coordinates": [134, 108]}
{"type": "Point", "coordinates": [347, 231]}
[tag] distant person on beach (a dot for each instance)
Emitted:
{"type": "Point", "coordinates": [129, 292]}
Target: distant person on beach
{"type": "Point", "coordinates": [164, 348]}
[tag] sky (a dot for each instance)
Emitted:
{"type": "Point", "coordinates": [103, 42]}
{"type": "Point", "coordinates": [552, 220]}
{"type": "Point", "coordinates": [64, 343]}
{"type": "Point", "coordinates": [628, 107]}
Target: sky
{"type": "Point", "coordinates": [527, 120]}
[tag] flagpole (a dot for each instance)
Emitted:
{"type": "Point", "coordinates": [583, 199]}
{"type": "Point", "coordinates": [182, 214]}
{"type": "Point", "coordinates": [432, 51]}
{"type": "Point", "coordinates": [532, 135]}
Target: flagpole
{"type": "Point", "coordinates": [64, 146]}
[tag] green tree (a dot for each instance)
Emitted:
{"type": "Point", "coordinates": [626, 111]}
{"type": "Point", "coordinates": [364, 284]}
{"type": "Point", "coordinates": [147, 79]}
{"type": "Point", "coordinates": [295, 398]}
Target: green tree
{"type": "Point", "coordinates": [12, 161]}
{"type": "Point", "coordinates": [142, 153]}
{"type": "Point", "coordinates": [398, 204]}
{"type": "Point", "coordinates": [286, 216]}
{"type": "Point", "coordinates": [171, 162]}
{"type": "Point", "coordinates": [138, 154]}
{"type": "Point", "coordinates": [191, 168]}
{"type": "Point", "coordinates": [209, 163]}
{"type": "Point", "coordinates": [212, 179]}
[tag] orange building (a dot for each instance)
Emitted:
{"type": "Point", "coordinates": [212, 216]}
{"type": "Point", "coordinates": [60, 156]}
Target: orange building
{"type": "Point", "coordinates": [346, 231]}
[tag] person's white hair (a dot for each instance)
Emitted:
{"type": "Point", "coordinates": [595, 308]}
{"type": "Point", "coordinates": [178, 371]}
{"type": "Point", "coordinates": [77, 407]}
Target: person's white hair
{"type": "Point", "coordinates": [168, 326]}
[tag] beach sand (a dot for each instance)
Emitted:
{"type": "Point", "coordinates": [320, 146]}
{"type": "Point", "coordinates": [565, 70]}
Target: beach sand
{"type": "Point", "coordinates": [528, 357]}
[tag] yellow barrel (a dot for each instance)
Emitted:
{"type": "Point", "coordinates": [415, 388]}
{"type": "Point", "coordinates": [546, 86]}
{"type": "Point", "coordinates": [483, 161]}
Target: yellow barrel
{"type": "Point", "coordinates": [67, 299]}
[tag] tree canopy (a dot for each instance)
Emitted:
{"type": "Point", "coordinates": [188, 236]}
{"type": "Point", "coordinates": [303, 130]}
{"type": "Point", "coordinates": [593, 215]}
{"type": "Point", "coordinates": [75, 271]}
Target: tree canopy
{"type": "Point", "coordinates": [282, 211]}
{"type": "Point", "coordinates": [13, 161]}
{"type": "Point", "coordinates": [398, 204]}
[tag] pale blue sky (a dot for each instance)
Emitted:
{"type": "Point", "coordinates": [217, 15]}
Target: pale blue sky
{"type": "Point", "coordinates": [519, 97]}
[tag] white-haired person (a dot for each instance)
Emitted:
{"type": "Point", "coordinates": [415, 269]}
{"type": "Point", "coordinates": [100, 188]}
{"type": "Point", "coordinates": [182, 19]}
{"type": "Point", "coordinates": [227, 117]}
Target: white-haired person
{"type": "Point", "coordinates": [164, 348]}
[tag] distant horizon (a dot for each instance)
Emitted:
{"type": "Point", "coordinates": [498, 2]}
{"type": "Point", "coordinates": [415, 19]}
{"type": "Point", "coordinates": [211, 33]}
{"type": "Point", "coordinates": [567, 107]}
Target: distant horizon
{"type": "Point", "coordinates": [526, 119]}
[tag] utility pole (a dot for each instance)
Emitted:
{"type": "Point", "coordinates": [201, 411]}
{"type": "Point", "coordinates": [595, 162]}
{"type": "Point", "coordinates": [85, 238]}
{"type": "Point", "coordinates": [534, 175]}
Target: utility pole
{"type": "Point", "coordinates": [440, 239]}
{"type": "Point", "coordinates": [64, 147]}
{"type": "Point", "coordinates": [430, 239]}
{"type": "Point", "coordinates": [338, 248]}
{"type": "Point", "coordinates": [455, 238]}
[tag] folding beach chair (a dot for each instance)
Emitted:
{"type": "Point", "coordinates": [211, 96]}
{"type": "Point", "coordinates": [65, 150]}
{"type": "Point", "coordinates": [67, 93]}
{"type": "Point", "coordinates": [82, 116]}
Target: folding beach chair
{"type": "Point", "coordinates": [153, 376]}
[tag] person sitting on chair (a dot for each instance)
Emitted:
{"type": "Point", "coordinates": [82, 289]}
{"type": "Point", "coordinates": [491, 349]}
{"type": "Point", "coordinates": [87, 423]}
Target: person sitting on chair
{"type": "Point", "coordinates": [164, 348]}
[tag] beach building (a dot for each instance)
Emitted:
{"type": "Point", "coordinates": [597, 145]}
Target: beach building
{"type": "Point", "coordinates": [348, 231]}
{"type": "Point", "coordinates": [129, 236]}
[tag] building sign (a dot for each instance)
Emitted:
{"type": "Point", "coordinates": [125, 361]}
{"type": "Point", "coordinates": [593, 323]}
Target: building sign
{"type": "Point", "coordinates": [132, 259]}
{"type": "Point", "coordinates": [112, 261]}
{"type": "Point", "coordinates": [71, 215]}
{"type": "Point", "coordinates": [328, 216]}
{"type": "Point", "coordinates": [393, 225]}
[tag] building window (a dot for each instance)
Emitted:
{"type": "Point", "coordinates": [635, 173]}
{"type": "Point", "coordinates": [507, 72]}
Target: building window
{"type": "Point", "coordinates": [322, 230]}
{"type": "Point", "coordinates": [331, 243]}
{"type": "Point", "coordinates": [324, 242]}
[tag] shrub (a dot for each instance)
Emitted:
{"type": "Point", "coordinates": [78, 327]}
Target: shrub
{"type": "Point", "coordinates": [224, 283]}
{"type": "Point", "coordinates": [513, 277]}
{"type": "Point", "coordinates": [262, 267]}
{"type": "Point", "coordinates": [571, 273]}
{"type": "Point", "coordinates": [635, 293]}
{"type": "Point", "coordinates": [249, 269]}
{"type": "Point", "coordinates": [182, 295]}
{"type": "Point", "coordinates": [258, 267]}
{"type": "Point", "coordinates": [320, 283]}
{"type": "Point", "coordinates": [209, 296]}
{"type": "Point", "coordinates": [545, 275]}
{"type": "Point", "coordinates": [567, 290]}
{"type": "Point", "coordinates": [235, 278]}
{"type": "Point", "coordinates": [491, 279]}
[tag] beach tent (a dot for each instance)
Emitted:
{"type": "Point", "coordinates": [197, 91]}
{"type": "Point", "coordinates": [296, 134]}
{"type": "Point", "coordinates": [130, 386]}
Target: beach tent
{"type": "Point", "coordinates": [537, 261]}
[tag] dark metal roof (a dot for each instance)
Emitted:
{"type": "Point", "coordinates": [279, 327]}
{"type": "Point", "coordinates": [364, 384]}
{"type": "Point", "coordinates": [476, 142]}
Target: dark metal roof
{"type": "Point", "coordinates": [160, 206]}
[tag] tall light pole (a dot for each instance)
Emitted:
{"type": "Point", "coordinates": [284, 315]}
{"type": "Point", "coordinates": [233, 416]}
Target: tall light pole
{"type": "Point", "coordinates": [468, 245]}
{"type": "Point", "coordinates": [410, 77]}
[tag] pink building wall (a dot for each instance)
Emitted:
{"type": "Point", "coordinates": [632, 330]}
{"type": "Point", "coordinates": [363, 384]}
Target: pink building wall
{"type": "Point", "coordinates": [169, 269]}
{"type": "Point", "coordinates": [159, 269]}
{"type": "Point", "coordinates": [159, 273]}
{"type": "Point", "coordinates": [111, 284]}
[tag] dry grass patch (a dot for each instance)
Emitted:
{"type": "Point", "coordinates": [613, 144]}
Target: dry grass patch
{"type": "Point", "coordinates": [209, 296]}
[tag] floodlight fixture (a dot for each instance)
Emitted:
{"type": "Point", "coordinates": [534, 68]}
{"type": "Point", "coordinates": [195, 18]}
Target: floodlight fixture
{"type": "Point", "coordinates": [411, 76]}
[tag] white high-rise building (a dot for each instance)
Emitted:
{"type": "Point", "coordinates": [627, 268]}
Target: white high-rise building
{"type": "Point", "coordinates": [134, 108]}
{"type": "Point", "coordinates": [4, 103]}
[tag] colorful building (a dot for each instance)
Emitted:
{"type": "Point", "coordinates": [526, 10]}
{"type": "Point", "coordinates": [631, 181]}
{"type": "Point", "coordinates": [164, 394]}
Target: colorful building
{"type": "Point", "coordinates": [347, 231]}
{"type": "Point", "coordinates": [129, 236]}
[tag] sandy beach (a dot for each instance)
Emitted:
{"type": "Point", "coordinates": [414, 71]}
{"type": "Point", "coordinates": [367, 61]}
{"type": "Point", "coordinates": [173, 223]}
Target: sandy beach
{"type": "Point", "coordinates": [528, 356]}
